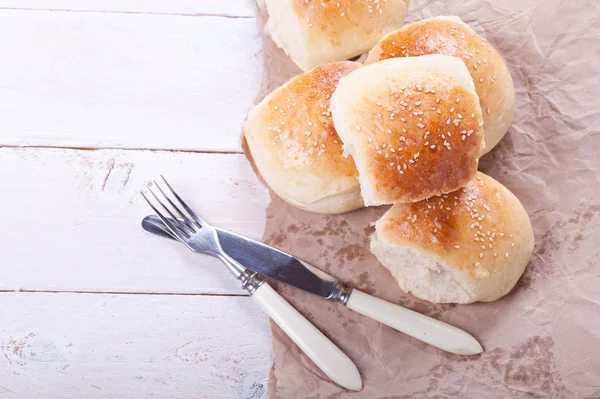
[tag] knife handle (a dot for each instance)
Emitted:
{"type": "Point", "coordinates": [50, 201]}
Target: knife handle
{"type": "Point", "coordinates": [324, 353]}
{"type": "Point", "coordinates": [421, 327]}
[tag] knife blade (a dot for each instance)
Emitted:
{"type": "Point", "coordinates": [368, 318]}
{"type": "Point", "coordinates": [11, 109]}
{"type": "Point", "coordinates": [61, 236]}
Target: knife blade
{"type": "Point", "coordinates": [264, 260]}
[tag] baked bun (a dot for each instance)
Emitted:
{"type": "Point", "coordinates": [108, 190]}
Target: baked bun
{"type": "Point", "coordinates": [295, 147]}
{"type": "Point", "coordinates": [451, 36]}
{"type": "Point", "coordinates": [413, 126]}
{"type": "Point", "coordinates": [467, 246]}
{"type": "Point", "coordinates": [315, 32]}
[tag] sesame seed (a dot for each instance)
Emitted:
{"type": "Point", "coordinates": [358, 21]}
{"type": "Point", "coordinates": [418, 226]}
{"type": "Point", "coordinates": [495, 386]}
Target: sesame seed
{"type": "Point", "coordinates": [389, 131]}
{"type": "Point", "coordinates": [506, 255]}
{"type": "Point", "coordinates": [392, 149]}
{"type": "Point", "coordinates": [342, 14]}
{"type": "Point", "coordinates": [418, 103]}
{"type": "Point", "coordinates": [439, 112]}
{"type": "Point", "coordinates": [370, 140]}
{"type": "Point", "coordinates": [403, 119]}
{"type": "Point", "coordinates": [463, 137]}
{"type": "Point", "coordinates": [310, 123]}
{"type": "Point", "coordinates": [451, 109]}
{"type": "Point", "coordinates": [481, 254]}
{"type": "Point", "coordinates": [474, 66]}
{"type": "Point", "coordinates": [432, 147]}
{"type": "Point", "coordinates": [457, 246]}
{"type": "Point", "coordinates": [384, 145]}
{"type": "Point", "coordinates": [477, 264]}
{"type": "Point", "coordinates": [457, 100]}
{"type": "Point", "coordinates": [437, 100]}
{"type": "Point", "coordinates": [379, 103]}
{"type": "Point", "coordinates": [481, 80]}
{"type": "Point", "coordinates": [391, 164]}
{"type": "Point", "coordinates": [379, 152]}
{"type": "Point", "coordinates": [512, 245]}
{"type": "Point", "coordinates": [487, 110]}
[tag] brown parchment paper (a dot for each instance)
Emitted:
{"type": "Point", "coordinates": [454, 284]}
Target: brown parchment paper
{"type": "Point", "coordinates": [543, 339]}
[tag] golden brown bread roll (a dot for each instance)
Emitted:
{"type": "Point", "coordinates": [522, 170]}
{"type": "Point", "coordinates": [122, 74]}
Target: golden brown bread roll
{"type": "Point", "coordinates": [451, 36]}
{"type": "Point", "coordinates": [466, 246]}
{"type": "Point", "coordinates": [413, 126]}
{"type": "Point", "coordinates": [295, 147]}
{"type": "Point", "coordinates": [314, 32]}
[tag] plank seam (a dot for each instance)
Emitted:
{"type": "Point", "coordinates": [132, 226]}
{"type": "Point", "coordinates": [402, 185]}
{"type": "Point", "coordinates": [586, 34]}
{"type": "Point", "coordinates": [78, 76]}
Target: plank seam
{"type": "Point", "coordinates": [216, 15]}
{"type": "Point", "coordinates": [52, 147]}
{"type": "Point", "coordinates": [19, 291]}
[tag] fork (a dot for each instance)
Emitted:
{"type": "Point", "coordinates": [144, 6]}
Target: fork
{"type": "Point", "coordinates": [199, 236]}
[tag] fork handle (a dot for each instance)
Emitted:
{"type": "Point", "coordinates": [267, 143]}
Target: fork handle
{"type": "Point", "coordinates": [324, 353]}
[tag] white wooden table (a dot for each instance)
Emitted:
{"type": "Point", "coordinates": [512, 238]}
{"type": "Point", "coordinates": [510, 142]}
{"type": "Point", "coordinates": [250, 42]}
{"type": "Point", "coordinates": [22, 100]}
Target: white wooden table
{"type": "Point", "coordinates": [96, 99]}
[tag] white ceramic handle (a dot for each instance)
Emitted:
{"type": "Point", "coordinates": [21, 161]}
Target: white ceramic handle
{"type": "Point", "coordinates": [421, 327]}
{"type": "Point", "coordinates": [328, 357]}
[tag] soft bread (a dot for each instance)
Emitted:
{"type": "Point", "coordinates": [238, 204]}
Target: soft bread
{"type": "Point", "coordinates": [413, 126]}
{"type": "Point", "coordinates": [295, 147]}
{"type": "Point", "coordinates": [316, 32]}
{"type": "Point", "coordinates": [451, 36]}
{"type": "Point", "coordinates": [466, 246]}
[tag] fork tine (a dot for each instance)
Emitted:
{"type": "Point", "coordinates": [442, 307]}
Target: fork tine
{"type": "Point", "coordinates": [176, 222]}
{"type": "Point", "coordinates": [189, 210]}
{"type": "Point", "coordinates": [186, 220]}
{"type": "Point", "coordinates": [180, 236]}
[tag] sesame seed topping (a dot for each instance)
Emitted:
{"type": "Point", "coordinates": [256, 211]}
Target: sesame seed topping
{"type": "Point", "coordinates": [389, 131]}
{"type": "Point", "coordinates": [506, 255]}
{"type": "Point", "coordinates": [418, 103]}
{"type": "Point", "coordinates": [477, 264]}
{"type": "Point", "coordinates": [439, 112]}
{"type": "Point", "coordinates": [481, 80]}
{"type": "Point", "coordinates": [358, 128]}
{"type": "Point", "coordinates": [432, 147]}
{"type": "Point", "coordinates": [457, 100]}
{"type": "Point", "coordinates": [457, 246]}
{"type": "Point", "coordinates": [342, 14]}
{"type": "Point", "coordinates": [370, 140]}
{"type": "Point", "coordinates": [487, 110]}
{"type": "Point", "coordinates": [308, 133]}
{"type": "Point", "coordinates": [481, 254]}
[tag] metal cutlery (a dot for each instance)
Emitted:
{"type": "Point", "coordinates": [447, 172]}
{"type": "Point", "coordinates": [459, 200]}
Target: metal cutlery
{"type": "Point", "coordinates": [276, 264]}
{"type": "Point", "coordinates": [188, 228]}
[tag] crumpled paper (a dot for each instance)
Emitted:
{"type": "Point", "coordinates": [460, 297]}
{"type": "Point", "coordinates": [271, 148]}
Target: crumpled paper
{"type": "Point", "coordinates": [541, 340]}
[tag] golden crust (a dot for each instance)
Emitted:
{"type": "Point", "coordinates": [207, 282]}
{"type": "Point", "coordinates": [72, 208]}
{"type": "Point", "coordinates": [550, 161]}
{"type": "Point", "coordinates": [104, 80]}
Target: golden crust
{"type": "Point", "coordinates": [477, 229]}
{"type": "Point", "coordinates": [417, 131]}
{"type": "Point", "coordinates": [332, 19]}
{"type": "Point", "coordinates": [294, 143]}
{"type": "Point", "coordinates": [451, 36]}
{"type": "Point", "coordinates": [435, 152]}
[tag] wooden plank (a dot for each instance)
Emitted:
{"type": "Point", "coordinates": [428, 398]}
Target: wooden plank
{"type": "Point", "coordinates": [132, 346]}
{"type": "Point", "coordinates": [101, 80]}
{"type": "Point", "coordinates": [234, 8]}
{"type": "Point", "coordinates": [71, 219]}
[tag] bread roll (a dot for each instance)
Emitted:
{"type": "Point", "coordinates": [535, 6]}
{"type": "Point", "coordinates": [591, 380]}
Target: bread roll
{"type": "Point", "coordinates": [295, 147]}
{"type": "Point", "coordinates": [413, 126]}
{"type": "Point", "coordinates": [466, 246]}
{"type": "Point", "coordinates": [315, 32]}
{"type": "Point", "coordinates": [451, 36]}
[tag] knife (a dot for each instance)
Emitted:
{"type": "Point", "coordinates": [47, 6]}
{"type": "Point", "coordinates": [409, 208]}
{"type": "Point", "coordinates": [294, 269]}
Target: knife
{"type": "Point", "coordinates": [283, 267]}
